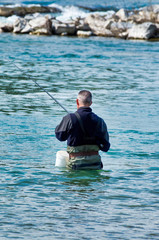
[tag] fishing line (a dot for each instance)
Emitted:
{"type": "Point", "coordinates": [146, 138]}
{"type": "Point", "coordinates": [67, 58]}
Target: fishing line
{"type": "Point", "coordinates": [30, 77]}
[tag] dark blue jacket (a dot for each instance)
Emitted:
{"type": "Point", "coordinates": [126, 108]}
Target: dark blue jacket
{"type": "Point", "coordinates": [95, 130]}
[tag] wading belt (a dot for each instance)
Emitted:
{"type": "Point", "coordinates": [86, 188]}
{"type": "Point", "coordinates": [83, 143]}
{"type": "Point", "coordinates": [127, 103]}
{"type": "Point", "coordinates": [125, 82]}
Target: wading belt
{"type": "Point", "coordinates": [77, 154]}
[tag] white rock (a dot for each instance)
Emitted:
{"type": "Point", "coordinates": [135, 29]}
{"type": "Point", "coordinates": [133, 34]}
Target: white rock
{"type": "Point", "coordinates": [108, 23]}
{"type": "Point", "coordinates": [40, 31]}
{"type": "Point", "coordinates": [123, 35]}
{"type": "Point", "coordinates": [120, 26]}
{"type": "Point", "coordinates": [109, 14]}
{"type": "Point", "coordinates": [37, 22]}
{"type": "Point", "coordinates": [142, 31]}
{"type": "Point", "coordinates": [40, 25]}
{"type": "Point", "coordinates": [147, 15]}
{"type": "Point", "coordinates": [122, 14]}
{"type": "Point", "coordinates": [153, 8]}
{"type": "Point", "coordinates": [27, 29]}
{"type": "Point", "coordinates": [19, 24]}
{"type": "Point", "coordinates": [84, 33]}
{"type": "Point", "coordinates": [6, 27]}
{"type": "Point", "coordinates": [95, 20]}
{"type": "Point", "coordinates": [98, 25]}
{"type": "Point", "coordinates": [81, 25]}
{"type": "Point", "coordinates": [60, 28]}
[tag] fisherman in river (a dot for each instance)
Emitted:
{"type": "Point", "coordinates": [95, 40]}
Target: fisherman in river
{"type": "Point", "coordinates": [86, 134]}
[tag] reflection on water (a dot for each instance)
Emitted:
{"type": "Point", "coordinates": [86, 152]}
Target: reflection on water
{"type": "Point", "coordinates": [85, 178]}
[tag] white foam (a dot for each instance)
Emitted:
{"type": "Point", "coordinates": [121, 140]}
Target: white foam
{"type": "Point", "coordinates": [54, 5]}
{"type": "Point", "coordinates": [67, 13]}
{"type": "Point", "coordinates": [20, 5]}
{"type": "Point", "coordinates": [71, 13]}
{"type": "Point", "coordinates": [10, 20]}
{"type": "Point", "coordinates": [14, 5]}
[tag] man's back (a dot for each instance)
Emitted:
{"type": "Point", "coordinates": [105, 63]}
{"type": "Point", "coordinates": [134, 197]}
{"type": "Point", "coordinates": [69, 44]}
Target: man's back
{"type": "Point", "coordinates": [92, 132]}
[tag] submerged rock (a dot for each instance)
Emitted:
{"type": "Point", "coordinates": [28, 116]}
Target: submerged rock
{"type": "Point", "coordinates": [81, 33]}
{"type": "Point", "coordinates": [6, 11]}
{"type": "Point", "coordinates": [22, 10]}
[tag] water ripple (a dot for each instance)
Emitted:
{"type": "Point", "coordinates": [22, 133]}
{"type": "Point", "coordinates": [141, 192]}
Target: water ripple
{"type": "Point", "coordinates": [40, 201]}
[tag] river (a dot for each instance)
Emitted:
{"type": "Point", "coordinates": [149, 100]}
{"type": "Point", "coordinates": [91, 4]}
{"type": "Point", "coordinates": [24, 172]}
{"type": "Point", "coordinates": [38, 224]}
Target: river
{"type": "Point", "coordinates": [42, 202]}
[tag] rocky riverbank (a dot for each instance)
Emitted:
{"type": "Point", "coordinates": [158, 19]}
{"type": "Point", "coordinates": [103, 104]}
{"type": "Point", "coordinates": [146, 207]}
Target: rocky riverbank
{"type": "Point", "coordinates": [138, 24]}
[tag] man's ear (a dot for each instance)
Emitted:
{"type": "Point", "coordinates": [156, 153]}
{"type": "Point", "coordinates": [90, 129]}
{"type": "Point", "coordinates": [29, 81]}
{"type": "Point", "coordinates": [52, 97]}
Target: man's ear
{"type": "Point", "coordinates": [77, 101]}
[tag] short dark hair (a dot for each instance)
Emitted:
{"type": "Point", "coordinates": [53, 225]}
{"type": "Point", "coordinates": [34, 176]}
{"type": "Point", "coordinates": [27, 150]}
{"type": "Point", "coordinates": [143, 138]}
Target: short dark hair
{"type": "Point", "coordinates": [85, 96]}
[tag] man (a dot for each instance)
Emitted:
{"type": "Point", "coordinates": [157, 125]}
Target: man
{"type": "Point", "coordinates": [86, 134]}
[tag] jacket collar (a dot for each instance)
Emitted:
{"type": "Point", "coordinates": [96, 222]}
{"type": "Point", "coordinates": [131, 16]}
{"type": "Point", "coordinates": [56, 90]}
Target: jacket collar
{"type": "Point", "coordinates": [84, 109]}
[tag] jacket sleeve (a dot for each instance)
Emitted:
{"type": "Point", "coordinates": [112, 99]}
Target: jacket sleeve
{"type": "Point", "coordinates": [104, 144]}
{"type": "Point", "coordinates": [62, 130]}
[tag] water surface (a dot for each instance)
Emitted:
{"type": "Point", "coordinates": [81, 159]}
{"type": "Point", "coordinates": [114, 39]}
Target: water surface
{"type": "Point", "coordinates": [39, 201]}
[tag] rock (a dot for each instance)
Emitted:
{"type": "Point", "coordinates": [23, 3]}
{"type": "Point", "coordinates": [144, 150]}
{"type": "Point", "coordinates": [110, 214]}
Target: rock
{"type": "Point", "coordinates": [6, 24]}
{"type": "Point", "coordinates": [27, 29]}
{"type": "Point", "coordinates": [109, 14]}
{"type": "Point", "coordinates": [6, 27]}
{"type": "Point", "coordinates": [119, 29]}
{"type": "Point", "coordinates": [146, 14]}
{"type": "Point", "coordinates": [136, 18]}
{"type": "Point", "coordinates": [98, 25]}
{"type": "Point", "coordinates": [29, 17]}
{"type": "Point", "coordinates": [94, 20]}
{"type": "Point", "coordinates": [6, 11]}
{"type": "Point", "coordinates": [122, 14]}
{"type": "Point", "coordinates": [22, 11]}
{"type": "Point", "coordinates": [41, 9]}
{"type": "Point", "coordinates": [64, 34]}
{"type": "Point", "coordinates": [108, 23]}
{"type": "Point", "coordinates": [157, 18]}
{"type": "Point", "coordinates": [84, 33]}
{"type": "Point", "coordinates": [40, 26]}
{"type": "Point", "coordinates": [153, 8]}
{"type": "Point", "coordinates": [103, 32]}
{"type": "Point", "coordinates": [81, 25]}
{"type": "Point", "coordinates": [120, 26]}
{"type": "Point", "coordinates": [142, 31]}
{"type": "Point", "coordinates": [60, 28]}
{"type": "Point", "coordinates": [19, 25]}
{"type": "Point", "coordinates": [40, 31]}
{"type": "Point", "coordinates": [138, 24]}
{"type": "Point", "coordinates": [123, 35]}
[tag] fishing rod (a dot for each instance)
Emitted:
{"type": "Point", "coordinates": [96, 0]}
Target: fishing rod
{"type": "Point", "coordinates": [40, 86]}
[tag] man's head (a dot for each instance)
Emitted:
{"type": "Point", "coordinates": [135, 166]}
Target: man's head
{"type": "Point", "coordinates": [84, 99]}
